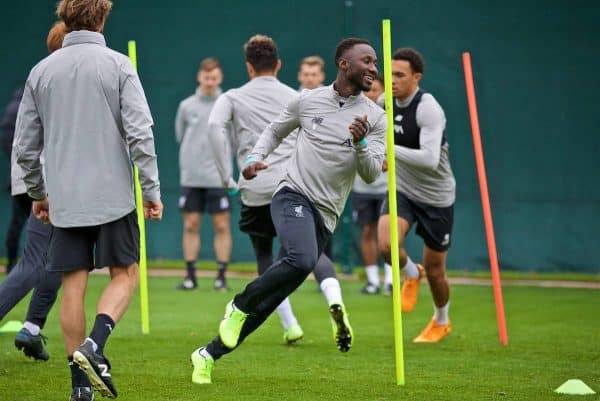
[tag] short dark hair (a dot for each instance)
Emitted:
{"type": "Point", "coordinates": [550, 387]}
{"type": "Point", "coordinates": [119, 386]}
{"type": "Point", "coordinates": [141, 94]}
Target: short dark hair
{"type": "Point", "coordinates": [261, 53]}
{"type": "Point", "coordinates": [414, 58]}
{"type": "Point", "coordinates": [209, 64]}
{"type": "Point", "coordinates": [346, 44]}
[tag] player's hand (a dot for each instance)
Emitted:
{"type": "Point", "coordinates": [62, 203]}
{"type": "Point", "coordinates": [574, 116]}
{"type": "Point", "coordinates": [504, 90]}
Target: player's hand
{"type": "Point", "coordinates": [41, 210]}
{"type": "Point", "coordinates": [153, 210]}
{"type": "Point", "coordinates": [384, 166]}
{"type": "Point", "coordinates": [252, 169]}
{"type": "Point", "coordinates": [359, 128]}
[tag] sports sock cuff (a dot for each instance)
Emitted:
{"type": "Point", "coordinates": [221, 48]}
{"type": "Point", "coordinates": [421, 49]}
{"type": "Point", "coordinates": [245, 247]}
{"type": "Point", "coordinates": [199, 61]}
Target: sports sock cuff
{"type": "Point", "coordinates": [33, 328]}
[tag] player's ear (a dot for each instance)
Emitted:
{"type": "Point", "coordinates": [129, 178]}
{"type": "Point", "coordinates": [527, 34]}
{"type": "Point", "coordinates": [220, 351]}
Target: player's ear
{"type": "Point", "coordinates": [251, 70]}
{"type": "Point", "coordinates": [418, 76]}
{"type": "Point", "coordinates": [278, 66]}
{"type": "Point", "coordinates": [343, 64]}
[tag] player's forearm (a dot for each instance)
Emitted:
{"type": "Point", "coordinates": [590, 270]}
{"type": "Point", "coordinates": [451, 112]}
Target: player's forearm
{"type": "Point", "coordinates": [370, 153]}
{"type": "Point", "coordinates": [28, 158]}
{"type": "Point", "coordinates": [33, 178]}
{"type": "Point", "coordinates": [424, 158]}
{"type": "Point", "coordinates": [267, 142]}
{"type": "Point", "coordinates": [368, 164]}
{"type": "Point", "coordinates": [143, 155]}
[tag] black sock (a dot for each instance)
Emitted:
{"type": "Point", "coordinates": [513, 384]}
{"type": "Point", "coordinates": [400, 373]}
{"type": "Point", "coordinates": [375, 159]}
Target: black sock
{"type": "Point", "coordinates": [103, 326]}
{"type": "Point", "coordinates": [222, 268]}
{"type": "Point", "coordinates": [78, 378]}
{"type": "Point", "coordinates": [191, 270]}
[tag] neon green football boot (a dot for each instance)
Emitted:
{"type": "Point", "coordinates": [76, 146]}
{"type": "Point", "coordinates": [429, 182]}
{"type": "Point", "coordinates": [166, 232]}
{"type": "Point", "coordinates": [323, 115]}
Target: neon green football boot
{"type": "Point", "coordinates": [202, 367]}
{"type": "Point", "coordinates": [293, 334]}
{"type": "Point", "coordinates": [231, 325]}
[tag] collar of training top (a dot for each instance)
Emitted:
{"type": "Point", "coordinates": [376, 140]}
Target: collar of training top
{"type": "Point", "coordinates": [79, 37]}
{"type": "Point", "coordinates": [205, 97]}
{"type": "Point", "coordinates": [406, 102]}
{"type": "Point", "coordinates": [338, 98]}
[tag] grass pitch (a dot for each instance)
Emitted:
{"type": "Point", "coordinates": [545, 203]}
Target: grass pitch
{"type": "Point", "coordinates": [554, 335]}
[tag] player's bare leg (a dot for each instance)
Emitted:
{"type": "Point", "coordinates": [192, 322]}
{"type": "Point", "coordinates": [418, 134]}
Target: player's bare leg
{"type": "Point", "coordinates": [435, 267]}
{"type": "Point", "coordinates": [191, 248]}
{"type": "Point", "coordinates": [222, 244]}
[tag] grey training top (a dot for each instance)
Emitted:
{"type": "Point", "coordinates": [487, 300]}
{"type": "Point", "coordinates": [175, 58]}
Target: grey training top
{"type": "Point", "coordinates": [249, 109]}
{"type": "Point", "coordinates": [197, 164]}
{"type": "Point", "coordinates": [325, 160]}
{"type": "Point", "coordinates": [85, 108]}
{"type": "Point", "coordinates": [425, 174]}
{"type": "Point", "coordinates": [377, 187]}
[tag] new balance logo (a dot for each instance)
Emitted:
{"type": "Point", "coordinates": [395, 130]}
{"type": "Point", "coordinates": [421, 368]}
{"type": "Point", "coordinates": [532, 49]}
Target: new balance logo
{"type": "Point", "coordinates": [398, 128]}
{"type": "Point", "coordinates": [316, 121]}
{"type": "Point", "coordinates": [103, 370]}
{"type": "Point", "coordinates": [299, 212]}
{"type": "Point", "coordinates": [446, 240]}
{"type": "Point", "coordinates": [109, 327]}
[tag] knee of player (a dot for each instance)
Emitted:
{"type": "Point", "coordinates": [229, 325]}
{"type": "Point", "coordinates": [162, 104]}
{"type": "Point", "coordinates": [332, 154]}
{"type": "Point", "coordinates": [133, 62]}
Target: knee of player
{"type": "Point", "coordinates": [384, 247]}
{"type": "Point", "coordinates": [435, 270]}
{"type": "Point", "coordinates": [127, 277]}
{"type": "Point", "coordinates": [191, 227]}
{"type": "Point", "coordinates": [368, 233]}
{"type": "Point", "coordinates": [222, 229]}
{"type": "Point", "coordinates": [304, 261]}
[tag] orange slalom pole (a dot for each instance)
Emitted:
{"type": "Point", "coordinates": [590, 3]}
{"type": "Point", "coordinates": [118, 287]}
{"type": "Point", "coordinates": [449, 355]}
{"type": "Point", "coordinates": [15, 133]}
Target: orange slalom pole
{"type": "Point", "coordinates": [485, 198]}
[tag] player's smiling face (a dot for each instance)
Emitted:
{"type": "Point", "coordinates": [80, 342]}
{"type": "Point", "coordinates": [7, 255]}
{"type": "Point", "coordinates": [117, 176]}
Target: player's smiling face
{"type": "Point", "coordinates": [362, 66]}
{"type": "Point", "coordinates": [404, 79]}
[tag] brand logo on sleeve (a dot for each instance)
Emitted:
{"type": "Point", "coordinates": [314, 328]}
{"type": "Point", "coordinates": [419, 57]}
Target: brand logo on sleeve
{"type": "Point", "coordinates": [299, 212]}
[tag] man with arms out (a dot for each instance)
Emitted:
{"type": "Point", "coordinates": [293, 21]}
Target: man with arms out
{"type": "Point", "coordinates": [426, 189]}
{"type": "Point", "coordinates": [250, 109]}
{"type": "Point", "coordinates": [85, 108]}
{"type": "Point", "coordinates": [341, 133]}
{"type": "Point", "coordinates": [201, 189]}
{"type": "Point", "coordinates": [31, 271]}
{"type": "Point", "coordinates": [311, 73]}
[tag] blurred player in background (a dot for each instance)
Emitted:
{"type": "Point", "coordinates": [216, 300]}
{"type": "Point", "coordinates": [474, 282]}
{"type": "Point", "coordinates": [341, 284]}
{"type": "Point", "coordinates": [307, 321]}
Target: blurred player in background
{"type": "Point", "coordinates": [20, 203]}
{"type": "Point", "coordinates": [426, 190]}
{"type": "Point", "coordinates": [31, 271]}
{"type": "Point", "coordinates": [366, 206]}
{"type": "Point", "coordinates": [201, 188]}
{"type": "Point", "coordinates": [71, 103]}
{"type": "Point", "coordinates": [250, 109]}
{"type": "Point", "coordinates": [311, 72]}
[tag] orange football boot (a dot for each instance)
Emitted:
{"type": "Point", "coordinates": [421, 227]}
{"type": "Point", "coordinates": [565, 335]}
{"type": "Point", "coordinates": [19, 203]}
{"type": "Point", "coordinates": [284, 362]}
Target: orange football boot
{"type": "Point", "coordinates": [434, 332]}
{"type": "Point", "coordinates": [410, 291]}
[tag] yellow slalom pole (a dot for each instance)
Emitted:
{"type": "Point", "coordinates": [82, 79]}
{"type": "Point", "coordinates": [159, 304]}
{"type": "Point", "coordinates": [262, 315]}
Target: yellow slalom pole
{"type": "Point", "coordinates": [391, 161]}
{"type": "Point", "coordinates": [142, 225]}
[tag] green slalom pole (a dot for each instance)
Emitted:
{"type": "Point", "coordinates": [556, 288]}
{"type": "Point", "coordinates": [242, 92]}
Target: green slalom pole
{"type": "Point", "coordinates": [391, 160]}
{"type": "Point", "coordinates": [141, 223]}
